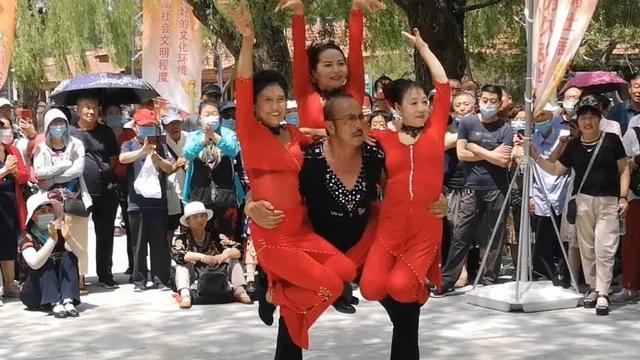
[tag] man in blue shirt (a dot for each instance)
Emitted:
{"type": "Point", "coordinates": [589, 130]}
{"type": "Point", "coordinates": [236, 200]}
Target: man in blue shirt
{"type": "Point", "coordinates": [623, 112]}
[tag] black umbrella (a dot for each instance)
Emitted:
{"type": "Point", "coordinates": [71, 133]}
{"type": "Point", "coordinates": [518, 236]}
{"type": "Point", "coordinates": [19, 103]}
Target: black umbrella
{"type": "Point", "coordinates": [110, 88]}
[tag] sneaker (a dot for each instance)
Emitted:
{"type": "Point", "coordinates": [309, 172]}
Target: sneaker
{"type": "Point", "coordinates": [590, 299]}
{"type": "Point", "coordinates": [108, 284]}
{"type": "Point", "coordinates": [139, 288]}
{"type": "Point", "coordinates": [442, 292]}
{"type": "Point", "coordinates": [185, 302]}
{"type": "Point", "coordinates": [70, 309]}
{"type": "Point", "coordinates": [59, 311]}
{"type": "Point", "coordinates": [242, 296]}
{"type": "Point", "coordinates": [624, 296]}
{"type": "Point", "coordinates": [161, 286]}
{"type": "Point", "coordinates": [602, 305]}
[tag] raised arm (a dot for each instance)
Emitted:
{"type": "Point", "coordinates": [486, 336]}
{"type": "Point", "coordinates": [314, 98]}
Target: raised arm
{"type": "Point", "coordinates": [302, 86]}
{"type": "Point", "coordinates": [435, 67]}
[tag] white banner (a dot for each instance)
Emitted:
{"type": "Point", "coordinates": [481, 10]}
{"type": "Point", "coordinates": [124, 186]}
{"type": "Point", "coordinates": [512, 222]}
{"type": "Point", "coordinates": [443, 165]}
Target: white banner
{"type": "Point", "coordinates": [172, 52]}
{"type": "Point", "coordinates": [558, 29]}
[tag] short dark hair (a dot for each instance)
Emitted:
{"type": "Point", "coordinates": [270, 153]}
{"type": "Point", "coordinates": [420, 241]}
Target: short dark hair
{"type": "Point", "coordinates": [634, 77]}
{"type": "Point", "coordinates": [397, 89]}
{"type": "Point", "coordinates": [492, 89]}
{"type": "Point", "coordinates": [329, 105]}
{"type": "Point", "coordinates": [88, 96]}
{"type": "Point", "coordinates": [589, 104]}
{"type": "Point", "coordinates": [207, 102]}
{"type": "Point", "coordinates": [316, 50]}
{"type": "Point", "coordinates": [266, 78]}
{"type": "Point", "coordinates": [382, 80]}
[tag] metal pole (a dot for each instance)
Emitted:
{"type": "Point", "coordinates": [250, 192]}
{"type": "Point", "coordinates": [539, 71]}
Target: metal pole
{"type": "Point", "coordinates": [525, 220]}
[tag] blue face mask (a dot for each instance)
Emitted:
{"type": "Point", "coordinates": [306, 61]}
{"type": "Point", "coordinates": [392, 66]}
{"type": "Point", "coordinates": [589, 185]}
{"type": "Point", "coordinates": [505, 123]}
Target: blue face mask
{"type": "Point", "coordinates": [292, 119]}
{"type": "Point", "coordinates": [147, 131]}
{"type": "Point", "coordinates": [114, 121]}
{"type": "Point", "coordinates": [58, 131]}
{"type": "Point", "coordinates": [229, 124]}
{"type": "Point", "coordinates": [518, 125]}
{"type": "Point", "coordinates": [44, 220]}
{"type": "Point", "coordinates": [488, 111]}
{"type": "Point", "coordinates": [543, 127]}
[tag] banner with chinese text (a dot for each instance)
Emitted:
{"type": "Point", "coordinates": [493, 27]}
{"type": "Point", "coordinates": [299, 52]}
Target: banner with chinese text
{"type": "Point", "coordinates": [7, 36]}
{"type": "Point", "coordinates": [558, 29]}
{"type": "Point", "coordinates": [172, 52]}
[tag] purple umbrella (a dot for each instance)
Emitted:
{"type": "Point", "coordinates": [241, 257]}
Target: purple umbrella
{"type": "Point", "coordinates": [595, 82]}
{"type": "Point", "coordinates": [110, 88]}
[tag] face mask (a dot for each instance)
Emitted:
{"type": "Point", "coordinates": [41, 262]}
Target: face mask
{"type": "Point", "coordinates": [518, 125]}
{"type": "Point", "coordinates": [292, 119]}
{"type": "Point", "coordinates": [6, 136]}
{"type": "Point", "coordinates": [569, 106]}
{"type": "Point", "coordinates": [44, 220]}
{"type": "Point", "coordinates": [58, 131]}
{"type": "Point", "coordinates": [229, 124]}
{"type": "Point", "coordinates": [543, 127]}
{"type": "Point", "coordinates": [213, 121]}
{"type": "Point", "coordinates": [488, 111]}
{"type": "Point", "coordinates": [146, 131]}
{"type": "Point", "coordinates": [114, 121]}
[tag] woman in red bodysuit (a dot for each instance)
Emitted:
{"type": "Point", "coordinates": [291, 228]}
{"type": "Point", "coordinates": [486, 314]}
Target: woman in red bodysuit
{"type": "Point", "coordinates": [306, 274]}
{"type": "Point", "coordinates": [405, 251]}
{"type": "Point", "coordinates": [322, 70]}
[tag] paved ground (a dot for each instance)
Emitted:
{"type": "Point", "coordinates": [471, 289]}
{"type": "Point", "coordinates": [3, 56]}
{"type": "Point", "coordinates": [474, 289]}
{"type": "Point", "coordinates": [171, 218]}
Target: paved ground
{"type": "Point", "coordinates": [122, 325]}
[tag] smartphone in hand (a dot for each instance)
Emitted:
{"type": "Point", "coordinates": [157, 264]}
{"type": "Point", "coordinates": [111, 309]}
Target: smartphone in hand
{"type": "Point", "coordinates": [26, 115]}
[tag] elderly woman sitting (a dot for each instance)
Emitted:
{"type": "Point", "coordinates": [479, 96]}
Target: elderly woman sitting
{"type": "Point", "coordinates": [47, 255]}
{"type": "Point", "coordinates": [197, 249]}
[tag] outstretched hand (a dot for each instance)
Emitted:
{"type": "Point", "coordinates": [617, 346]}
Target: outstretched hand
{"type": "Point", "coordinates": [416, 39]}
{"type": "Point", "coordinates": [371, 6]}
{"type": "Point", "coordinates": [241, 16]}
{"type": "Point", "coordinates": [294, 5]}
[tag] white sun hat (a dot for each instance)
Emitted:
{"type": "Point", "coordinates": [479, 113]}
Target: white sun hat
{"type": "Point", "coordinates": [193, 208]}
{"type": "Point", "coordinates": [39, 199]}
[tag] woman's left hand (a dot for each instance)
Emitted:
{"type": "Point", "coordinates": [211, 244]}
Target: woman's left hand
{"type": "Point", "coordinates": [440, 208]}
{"type": "Point", "coordinates": [416, 39]}
{"type": "Point", "coordinates": [623, 207]}
{"type": "Point", "coordinates": [370, 140]}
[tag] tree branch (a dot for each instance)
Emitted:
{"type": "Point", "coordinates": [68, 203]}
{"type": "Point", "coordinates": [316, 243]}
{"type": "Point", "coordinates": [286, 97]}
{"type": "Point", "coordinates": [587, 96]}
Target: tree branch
{"type": "Point", "coordinates": [481, 5]}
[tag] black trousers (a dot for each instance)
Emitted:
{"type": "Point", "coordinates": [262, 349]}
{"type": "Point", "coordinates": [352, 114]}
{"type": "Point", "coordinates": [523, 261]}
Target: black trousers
{"type": "Point", "coordinates": [53, 282]}
{"type": "Point", "coordinates": [404, 342]}
{"type": "Point", "coordinates": [149, 228]}
{"type": "Point", "coordinates": [103, 216]}
{"type": "Point", "coordinates": [547, 254]}
{"type": "Point", "coordinates": [478, 214]}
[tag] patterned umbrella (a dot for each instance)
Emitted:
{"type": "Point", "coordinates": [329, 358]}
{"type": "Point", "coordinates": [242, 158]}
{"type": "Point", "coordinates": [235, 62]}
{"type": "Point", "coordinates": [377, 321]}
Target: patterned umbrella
{"type": "Point", "coordinates": [595, 82]}
{"type": "Point", "coordinates": [110, 88]}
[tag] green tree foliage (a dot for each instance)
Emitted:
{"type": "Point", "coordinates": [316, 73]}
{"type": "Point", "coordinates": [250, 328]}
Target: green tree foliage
{"type": "Point", "coordinates": [70, 28]}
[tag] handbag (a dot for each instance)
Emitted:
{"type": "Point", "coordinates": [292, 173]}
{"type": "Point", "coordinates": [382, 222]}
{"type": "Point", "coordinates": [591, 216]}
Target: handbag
{"type": "Point", "coordinates": [224, 198]}
{"type": "Point", "coordinates": [572, 206]}
{"type": "Point", "coordinates": [213, 286]}
{"type": "Point", "coordinates": [147, 184]}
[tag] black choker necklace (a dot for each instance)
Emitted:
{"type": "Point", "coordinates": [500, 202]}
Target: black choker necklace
{"type": "Point", "coordinates": [412, 131]}
{"type": "Point", "coordinates": [275, 130]}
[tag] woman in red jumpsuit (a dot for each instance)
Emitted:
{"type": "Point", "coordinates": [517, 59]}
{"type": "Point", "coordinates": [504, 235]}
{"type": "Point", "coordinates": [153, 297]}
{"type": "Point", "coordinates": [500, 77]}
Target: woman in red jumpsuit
{"type": "Point", "coordinates": [406, 250]}
{"type": "Point", "coordinates": [322, 70]}
{"type": "Point", "coordinates": [306, 274]}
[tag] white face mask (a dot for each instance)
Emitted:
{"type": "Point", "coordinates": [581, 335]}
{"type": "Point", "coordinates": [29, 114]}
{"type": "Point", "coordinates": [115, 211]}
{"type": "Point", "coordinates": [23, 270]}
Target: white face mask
{"type": "Point", "coordinates": [6, 136]}
{"type": "Point", "coordinates": [569, 106]}
{"type": "Point", "coordinates": [212, 120]}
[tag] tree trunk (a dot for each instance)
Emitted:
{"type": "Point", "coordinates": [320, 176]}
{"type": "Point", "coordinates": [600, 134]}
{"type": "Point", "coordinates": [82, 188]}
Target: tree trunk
{"type": "Point", "coordinates": [441, 24]}
{"type": "Point", "coordinates": [271, 49]}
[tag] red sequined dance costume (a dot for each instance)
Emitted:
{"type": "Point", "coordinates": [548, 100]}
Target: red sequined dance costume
{"type": "Point", "coordinates": [310, 102]}
{"type": "Point", "coordinates": [407, 246]}
{"type": "Point", "coordinates": [306, 273]}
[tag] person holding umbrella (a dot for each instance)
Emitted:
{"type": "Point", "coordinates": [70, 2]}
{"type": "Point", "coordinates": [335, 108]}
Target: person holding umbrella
{"type": "Point", "coordinates": [101, 151]}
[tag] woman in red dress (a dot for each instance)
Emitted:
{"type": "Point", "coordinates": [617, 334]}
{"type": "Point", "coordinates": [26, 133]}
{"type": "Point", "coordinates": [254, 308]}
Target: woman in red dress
{"type": "Point", "coordinates": [323, 70]}
{"type": "Point", "coordinates": [406, 250]}
{"type": "Point", "coordinates": [306, 274]}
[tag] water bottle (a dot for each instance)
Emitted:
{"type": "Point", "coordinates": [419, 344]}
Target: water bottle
{"type": "Point", "coordinates": [622, 226]}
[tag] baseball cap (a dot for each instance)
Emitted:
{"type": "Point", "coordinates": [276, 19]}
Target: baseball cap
{"type": "Point", "coordinates": [145, 117]}
{"type": "Point", "coordinates": [171, 116]}
{"type": "Point", "coordinates": [211, 89]}
{"type": "Point", "coordinates": [227, 105]}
